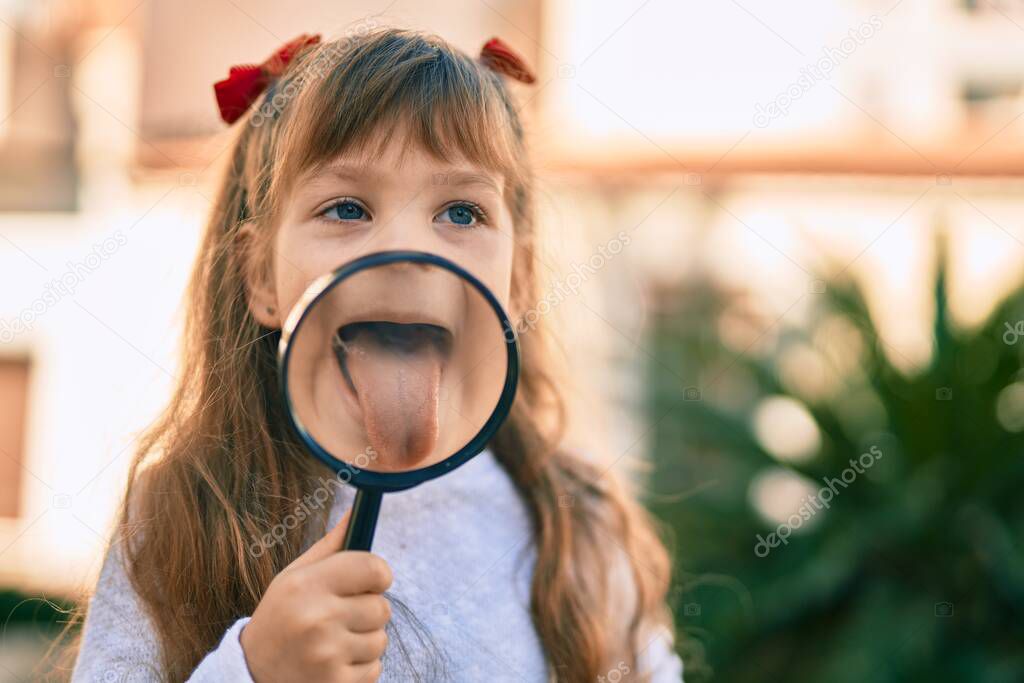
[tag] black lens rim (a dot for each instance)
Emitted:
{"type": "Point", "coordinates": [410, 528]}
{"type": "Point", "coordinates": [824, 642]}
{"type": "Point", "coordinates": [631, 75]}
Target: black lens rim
{"type": "Point", "coordinates": [398, 481]}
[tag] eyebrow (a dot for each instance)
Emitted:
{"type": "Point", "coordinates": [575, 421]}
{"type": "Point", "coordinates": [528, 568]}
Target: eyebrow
{"type": "Point", "coordinates": [464, 178]}
{"type": "Point", "coordinates": [343, 171]}
{"type": "Point", "coordinates": [358, 172]}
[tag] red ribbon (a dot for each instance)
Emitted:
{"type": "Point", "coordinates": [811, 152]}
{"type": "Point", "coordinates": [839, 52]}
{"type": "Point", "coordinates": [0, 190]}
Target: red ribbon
{"type": "Point", "coordinates": [500, 57]}
{"type": "Point", "coordinates": [245, 83]}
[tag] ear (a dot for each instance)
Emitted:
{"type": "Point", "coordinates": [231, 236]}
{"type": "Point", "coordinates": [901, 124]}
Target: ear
{"type": "Point", "coordinates": [261, 295]}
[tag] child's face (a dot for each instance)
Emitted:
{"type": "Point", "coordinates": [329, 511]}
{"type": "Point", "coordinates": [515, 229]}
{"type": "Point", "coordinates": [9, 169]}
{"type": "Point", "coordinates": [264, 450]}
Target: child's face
{"type": "Point", "coordinates": [345, 210]}
{"type": "Point", "coordinates": [400, 359]}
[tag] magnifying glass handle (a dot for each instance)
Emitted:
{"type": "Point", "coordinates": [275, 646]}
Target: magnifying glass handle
{"type": "Point", "coordinates": [365, 509]}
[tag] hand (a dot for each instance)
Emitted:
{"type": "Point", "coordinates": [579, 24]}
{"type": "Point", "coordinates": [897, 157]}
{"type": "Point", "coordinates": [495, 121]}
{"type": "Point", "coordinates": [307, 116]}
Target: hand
{"type": "Point", "coordinates": [322, 618]}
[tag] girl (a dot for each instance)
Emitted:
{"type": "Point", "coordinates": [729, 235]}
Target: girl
{"type": "Point", "coordinates": [528, 563]}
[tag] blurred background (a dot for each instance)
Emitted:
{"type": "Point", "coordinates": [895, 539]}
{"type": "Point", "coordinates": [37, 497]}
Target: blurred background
{"type": "Point", "coordinates": [786, 241]}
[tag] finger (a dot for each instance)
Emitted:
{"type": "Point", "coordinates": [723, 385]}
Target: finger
{"type": "Point", "coordinates": [351, 572]}
{"type": "Point", "coordinates": [363, 648]}
{"type": "Point", "coordinates": [364, 613]}
{"type": "Point", "coordinates": [326, 546]}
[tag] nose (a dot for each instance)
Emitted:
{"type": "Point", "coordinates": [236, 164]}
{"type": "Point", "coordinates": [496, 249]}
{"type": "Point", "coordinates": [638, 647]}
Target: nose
{"type": "Point", "coordinates": [404, 231]}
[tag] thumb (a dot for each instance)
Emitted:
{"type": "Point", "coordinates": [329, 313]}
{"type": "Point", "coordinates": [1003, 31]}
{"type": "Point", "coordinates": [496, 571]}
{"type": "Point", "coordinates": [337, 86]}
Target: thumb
{"type": "Point", "coordinates": [326, 546]}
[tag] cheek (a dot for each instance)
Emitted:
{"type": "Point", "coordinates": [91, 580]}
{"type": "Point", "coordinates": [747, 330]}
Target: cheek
{"type": "Point", "coordinates": [490, 261]}
{"type": "Point", "coordinates": [498, 266]}
{"type": "Point", "coordinates": [299, 258]}
{"type": "Point", "coordinates": [503, 286]}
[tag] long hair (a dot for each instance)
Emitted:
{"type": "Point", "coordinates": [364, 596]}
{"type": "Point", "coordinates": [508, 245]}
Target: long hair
{"type": "Point", "coordinates": [220, 467]}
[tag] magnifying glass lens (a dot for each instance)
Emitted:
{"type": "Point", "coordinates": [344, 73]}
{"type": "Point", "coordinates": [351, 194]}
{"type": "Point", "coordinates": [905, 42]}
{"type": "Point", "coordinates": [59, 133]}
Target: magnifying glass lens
{"type": "Point", "coordinates": [397, 367]}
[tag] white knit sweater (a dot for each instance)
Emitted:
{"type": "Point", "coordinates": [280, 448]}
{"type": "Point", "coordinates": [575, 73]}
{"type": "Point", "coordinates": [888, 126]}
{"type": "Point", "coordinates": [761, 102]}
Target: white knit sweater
{"type": "Point", "coordinates": [461, 551]}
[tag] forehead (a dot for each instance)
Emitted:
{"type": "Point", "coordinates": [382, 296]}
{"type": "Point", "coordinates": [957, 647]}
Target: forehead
{"type": "Point", "coordinates": [399, 158]}
{"type": "Point", "coordinates": [398, 136]}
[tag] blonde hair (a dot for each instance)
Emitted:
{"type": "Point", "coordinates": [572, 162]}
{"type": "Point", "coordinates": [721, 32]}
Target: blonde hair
{"type": "Point", "coordinates": [220, 467]}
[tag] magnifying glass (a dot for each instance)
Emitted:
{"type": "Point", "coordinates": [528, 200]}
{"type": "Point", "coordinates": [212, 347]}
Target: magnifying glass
{"type": "Point", "coordinates": [396, 368]}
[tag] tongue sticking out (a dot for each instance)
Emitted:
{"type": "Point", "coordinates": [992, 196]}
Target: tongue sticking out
{"type": "Point", "coordinates": [395, 372]}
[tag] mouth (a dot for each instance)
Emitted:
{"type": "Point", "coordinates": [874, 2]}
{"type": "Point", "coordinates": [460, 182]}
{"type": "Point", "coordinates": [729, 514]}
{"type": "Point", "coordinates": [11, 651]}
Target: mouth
{"type": "Point", "coordinates": [393, 372]}
{"type": "Point", "coordinates": [397, 339]}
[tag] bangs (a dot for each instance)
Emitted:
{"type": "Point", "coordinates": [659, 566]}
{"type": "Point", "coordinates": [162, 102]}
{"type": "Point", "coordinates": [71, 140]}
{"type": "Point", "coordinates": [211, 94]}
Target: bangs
{"type": "Point", "coordinates": [368, 90]}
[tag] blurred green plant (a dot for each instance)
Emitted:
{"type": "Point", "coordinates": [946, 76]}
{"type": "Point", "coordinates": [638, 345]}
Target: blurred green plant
{"type": "Point", "coordinates": [915, 570]}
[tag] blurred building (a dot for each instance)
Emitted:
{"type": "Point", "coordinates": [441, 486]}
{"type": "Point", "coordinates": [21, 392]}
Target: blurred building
{"type": "Point", "coordinates": [754, 143]}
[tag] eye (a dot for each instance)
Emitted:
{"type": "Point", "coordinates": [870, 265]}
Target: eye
{"type": "Point", "coordinates": [344, 210]}
{"type": "Point", "coordinates": [462, 213]}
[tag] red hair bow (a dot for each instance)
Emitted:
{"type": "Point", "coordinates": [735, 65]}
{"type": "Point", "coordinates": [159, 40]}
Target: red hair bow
{"type": "Point", "coordinates": [500, 57]}
{"type": "Point", "coordinates": [245, 83]}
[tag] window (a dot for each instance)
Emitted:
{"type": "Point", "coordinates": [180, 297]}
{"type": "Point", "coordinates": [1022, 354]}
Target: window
{"type": "Point", "coordinates": [14, 375]}
{"type": "Point", "coordinates": [37, 162]}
